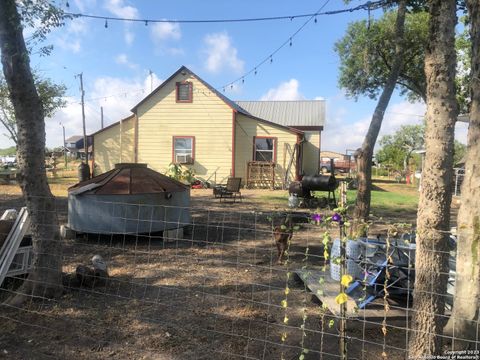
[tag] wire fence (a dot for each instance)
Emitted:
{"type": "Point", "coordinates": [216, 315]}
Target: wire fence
{"type": "Point", "coordinates": [212, 288]}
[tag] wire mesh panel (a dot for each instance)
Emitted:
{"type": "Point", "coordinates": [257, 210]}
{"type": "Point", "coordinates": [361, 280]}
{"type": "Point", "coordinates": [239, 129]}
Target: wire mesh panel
{"type": "Point", "coordinates": [213, 288]}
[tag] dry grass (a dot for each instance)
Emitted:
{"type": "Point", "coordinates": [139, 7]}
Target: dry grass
{"type": "Point", "coordinates": [215, 294]}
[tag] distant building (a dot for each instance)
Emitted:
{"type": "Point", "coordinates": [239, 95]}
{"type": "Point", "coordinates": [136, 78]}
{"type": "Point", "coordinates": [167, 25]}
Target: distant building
{"type": "Point", "coordinates": [74, 146]}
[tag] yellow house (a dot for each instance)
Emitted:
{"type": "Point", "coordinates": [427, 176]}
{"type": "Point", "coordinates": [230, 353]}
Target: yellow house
{"type": "Point", "coordinates": [186, 121]}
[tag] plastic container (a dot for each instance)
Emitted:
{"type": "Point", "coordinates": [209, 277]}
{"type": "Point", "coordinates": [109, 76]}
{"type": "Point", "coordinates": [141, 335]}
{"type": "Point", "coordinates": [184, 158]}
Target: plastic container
{"type": "Point", "coordinates": [353, 252]}
{"type": "Point", "coordinates": [352, 249]}
{"type": "Point", "coordinates": [353, 269]}
{"type": "Point", "coordinates": [293, 201]}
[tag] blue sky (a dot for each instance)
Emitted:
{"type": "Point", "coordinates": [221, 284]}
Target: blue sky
{"type": "Point", "coordinates": [115, 61]}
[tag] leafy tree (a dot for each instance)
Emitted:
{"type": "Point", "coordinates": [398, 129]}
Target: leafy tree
{"type": "Point", "coordinates": [459, 152]}
{"type": "Point", "coordinates": [367, 53]}
{"type": "Point", "coordinates": [8, 151]}
{"type": "Point", "coordinates": [433, 217]}
{"type": "Point", "coordinates": [397, 149]}
{"type": "Point", "coordinates": [464, 55]}
{"type": "Point", "coordinates": [51, 95]}
{"type": "Point", "coordinates": [465, 316]}
{"type": "Point", "coordinates": [358, 51]}
{"type": "Point", "coordinates": [45, 278]}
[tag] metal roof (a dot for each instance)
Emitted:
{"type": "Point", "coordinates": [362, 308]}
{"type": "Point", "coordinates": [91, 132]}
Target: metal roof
{"type": "Point", "coordinates": [128, 179]}
{"type": "Point", "coordinates": [74, 138]}
{"type": "Point", "coordinates": [288, 113]}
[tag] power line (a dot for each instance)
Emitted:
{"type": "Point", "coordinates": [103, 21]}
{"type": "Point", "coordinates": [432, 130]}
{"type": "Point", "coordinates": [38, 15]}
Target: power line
{"type": "Point", "coordinates": [372, 5]}
{"type": "Point", "coordinates": [369, 5]}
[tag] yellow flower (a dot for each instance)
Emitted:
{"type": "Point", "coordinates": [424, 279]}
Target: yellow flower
{"type": "Point", "coordinates": [341, 298]}
{"type": "Point", "coordinates": [346, 280]}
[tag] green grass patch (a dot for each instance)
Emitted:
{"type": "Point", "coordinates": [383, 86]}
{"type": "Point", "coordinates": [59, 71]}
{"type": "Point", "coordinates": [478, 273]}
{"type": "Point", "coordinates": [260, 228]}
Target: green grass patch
{"type": "Point", "coordinates": [396, 201]}
{"type": "Point", "coordinates": [387, 199]}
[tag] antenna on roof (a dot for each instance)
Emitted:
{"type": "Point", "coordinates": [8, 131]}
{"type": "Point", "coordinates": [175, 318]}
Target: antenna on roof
{"type": "Point", "coordinates": [150, 73]}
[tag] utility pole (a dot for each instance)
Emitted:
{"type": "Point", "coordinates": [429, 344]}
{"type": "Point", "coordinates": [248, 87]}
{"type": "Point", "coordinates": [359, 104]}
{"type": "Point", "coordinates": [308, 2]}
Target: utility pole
{"type": "Point", "coordinates": [64, 147]}
{"type": "Point", "coordinates": [85, 168]}
{"type": "Point", "coordinates": [101, 115]}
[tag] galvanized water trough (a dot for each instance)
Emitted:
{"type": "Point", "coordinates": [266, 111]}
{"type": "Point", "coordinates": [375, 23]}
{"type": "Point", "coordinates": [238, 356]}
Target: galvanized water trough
{"type": "Point", "coordinates": [130, 199]}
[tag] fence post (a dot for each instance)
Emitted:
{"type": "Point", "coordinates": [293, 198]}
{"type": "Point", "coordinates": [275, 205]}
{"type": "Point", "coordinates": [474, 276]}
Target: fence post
{"type": "Point", "coordinates": [343, 306]}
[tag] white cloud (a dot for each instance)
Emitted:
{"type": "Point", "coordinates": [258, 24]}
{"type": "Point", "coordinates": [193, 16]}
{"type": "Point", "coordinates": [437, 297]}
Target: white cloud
{"type": "Point", "coordinates": [126, 94]}
{"type": "Point", "coordinates": [165, 31]}
{"type": "Point", "coordinates": [120, 9]}
{"type": "Point", "coordinates": [129, 36]}
{"type": "Point", "coordinates": [341, 134]}
{"type": "Point", "coordinates": [83, 5]}
{"type": "Point", "coordinates": [287, 90]}
{"type": "Point", "coordinates": [122, 59]}
{"type": "Point", "coordinates": [72, 45]}
{"type": "Point", "coordinates": [70, 38]}
{"type": "Point", "coordinates": [221, 54]}
{"type": "Point", "coordinates": [77, 26]}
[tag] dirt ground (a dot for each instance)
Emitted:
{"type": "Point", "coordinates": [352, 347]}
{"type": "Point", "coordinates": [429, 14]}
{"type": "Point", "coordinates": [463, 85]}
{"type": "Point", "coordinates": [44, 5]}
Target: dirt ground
{"type": "Point", "coordinates": [216, 293]}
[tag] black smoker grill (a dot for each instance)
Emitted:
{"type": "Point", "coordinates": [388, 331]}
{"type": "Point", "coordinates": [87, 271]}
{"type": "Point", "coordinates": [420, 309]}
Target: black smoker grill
{"type": "Point", "coordinates": [303, 189]}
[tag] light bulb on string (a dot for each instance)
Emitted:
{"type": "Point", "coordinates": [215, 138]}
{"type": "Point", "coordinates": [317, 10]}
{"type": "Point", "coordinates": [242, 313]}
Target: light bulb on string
{"type": "Point", "coordinates": [315, 21]}
{"type": "Point", "coordinates": [146, 22]}
{"type": "Point", "coordinates": [271, 59]}
{"type": "Point", "coordinates": [106, 23]}
{"type": "Point", "coordinates": [255, 71]}
{"type": "Point", "coordinates": [243, 81]}
{"type": "Point", "coordinates": [291, 42]}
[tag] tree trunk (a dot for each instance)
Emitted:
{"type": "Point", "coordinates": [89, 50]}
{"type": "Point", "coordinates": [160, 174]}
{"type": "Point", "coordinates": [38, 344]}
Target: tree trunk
{"type": "Point", "coordinates": [463, 322]}
{"type": "Point", "coordinates": [365, 154]}
{"type": "Point", "coordinates": [45, 279]}
{"type": "Point", "coordinates": [433, 217]}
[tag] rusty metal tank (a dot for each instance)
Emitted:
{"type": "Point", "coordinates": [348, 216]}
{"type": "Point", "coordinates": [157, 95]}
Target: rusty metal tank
{"type": "Point", "coordinates": [130, 199]}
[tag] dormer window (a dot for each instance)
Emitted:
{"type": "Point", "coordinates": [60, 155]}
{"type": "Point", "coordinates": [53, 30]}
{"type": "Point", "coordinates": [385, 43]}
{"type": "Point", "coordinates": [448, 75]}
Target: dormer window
{"type": "Point", "coordinates": [184, 92]}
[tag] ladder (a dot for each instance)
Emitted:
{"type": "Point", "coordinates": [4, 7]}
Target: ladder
{"type": "Point", "coordinates": [11, 247]}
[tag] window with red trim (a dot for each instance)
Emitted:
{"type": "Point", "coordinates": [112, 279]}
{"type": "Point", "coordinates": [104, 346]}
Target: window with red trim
{"type": "Point", "coordinates": [264, 149]}
{"type": "Point", "coordinates": [184, 91]}
{"type": "Point", "coordinates": [183, 149]}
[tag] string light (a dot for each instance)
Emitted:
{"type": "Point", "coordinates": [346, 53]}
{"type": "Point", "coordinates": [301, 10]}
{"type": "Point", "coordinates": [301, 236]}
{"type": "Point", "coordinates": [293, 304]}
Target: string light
{"type": "Point", "coordinates": [366, 6]}
{"type": "Point", "coordinates": [372, 4]}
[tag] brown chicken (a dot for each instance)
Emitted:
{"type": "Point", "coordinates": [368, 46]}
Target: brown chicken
{"type": "Point", "coordinates": [282, 234]}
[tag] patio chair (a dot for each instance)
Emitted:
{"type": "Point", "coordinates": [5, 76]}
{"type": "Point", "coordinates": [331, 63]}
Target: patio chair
{"type": "Point", "coordinates": [230, 190]}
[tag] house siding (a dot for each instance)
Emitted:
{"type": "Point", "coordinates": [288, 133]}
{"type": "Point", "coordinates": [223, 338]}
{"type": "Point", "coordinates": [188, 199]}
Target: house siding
{"type": "Point", "coordinates": [245, 129]}
{"type": "Point", "coordinates": [207, 118]}
{"type": "Point", "coordinates": [114, 145]}
{"type": "Point", "coordinates": [311, 153]}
